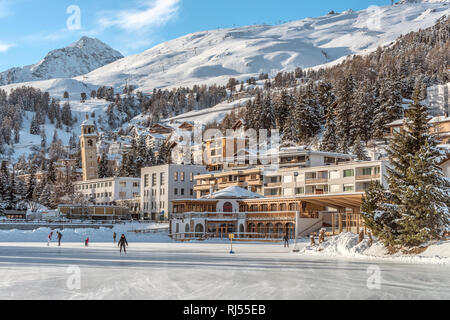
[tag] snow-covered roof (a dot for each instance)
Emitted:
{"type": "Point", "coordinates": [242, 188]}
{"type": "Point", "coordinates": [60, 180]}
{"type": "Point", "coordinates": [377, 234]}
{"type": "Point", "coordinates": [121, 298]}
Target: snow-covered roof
{"type": "Point", "coordinates": [87, 122]}
{"type": "Point", "coordinates": [158, 136]}
{"type": "Point", "coordinates": [432, 120]}
{"type": "Point", "coordinates": [440, 119]}
{"type": "Point", "coordinates": [235, 193]}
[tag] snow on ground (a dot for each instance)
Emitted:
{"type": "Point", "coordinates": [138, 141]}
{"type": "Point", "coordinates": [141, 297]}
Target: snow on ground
{"type": "Point", "coordinates": [102, 235]}
{"type": "Point", "coordinates": [205, 271]}
{"type": "Point", "coordinates": [346, 245]}
{"type": "Point", "coordinates": [95, 107]}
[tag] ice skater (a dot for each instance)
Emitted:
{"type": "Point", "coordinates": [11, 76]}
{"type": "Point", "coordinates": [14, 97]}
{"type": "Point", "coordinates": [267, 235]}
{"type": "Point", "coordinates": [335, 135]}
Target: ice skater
{"type": "Point", "coordinates": [86, 242]}
{"type": "Point", "coordinates": [59, 238]}
{"type": "Point", "coordinates": [50, 235]}
{"type": "Point", "coordinates": [286, 241]}
{"type": "Point", "coordinates": [123, 244]}
{"type": "Point", "coordinates": [114, 237]}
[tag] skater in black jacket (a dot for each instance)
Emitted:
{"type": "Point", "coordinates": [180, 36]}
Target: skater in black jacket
{"type": "Point", "coordinates": [123, 244]}
{"type": "Point", "coordinates": [59, 238]}
{"type": "Point", "coordinates": [286, 240]}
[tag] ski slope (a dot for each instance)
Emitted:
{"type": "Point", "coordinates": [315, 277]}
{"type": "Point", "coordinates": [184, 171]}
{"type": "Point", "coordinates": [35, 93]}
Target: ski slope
{"type": "Point", "coordinates": [214, 56]}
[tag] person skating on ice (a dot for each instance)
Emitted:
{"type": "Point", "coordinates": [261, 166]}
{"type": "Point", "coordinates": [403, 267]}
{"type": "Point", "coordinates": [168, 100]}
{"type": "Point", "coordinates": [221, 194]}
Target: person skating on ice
{"type": "Point", "coordinates": [50, 235]}
{"type": "Point", "coordinates": [123, 243]}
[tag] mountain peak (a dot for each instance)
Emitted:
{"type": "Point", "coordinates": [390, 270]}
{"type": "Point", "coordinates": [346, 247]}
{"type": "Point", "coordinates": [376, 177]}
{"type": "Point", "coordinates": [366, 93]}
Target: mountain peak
{"type": "Point", "coordinates": [86, 42]}
{"type": "Point", "coordinates": [80, 57]}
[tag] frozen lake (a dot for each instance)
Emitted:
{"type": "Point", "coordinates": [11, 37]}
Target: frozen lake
{"type": "Point", "coordinates": [205, 271]}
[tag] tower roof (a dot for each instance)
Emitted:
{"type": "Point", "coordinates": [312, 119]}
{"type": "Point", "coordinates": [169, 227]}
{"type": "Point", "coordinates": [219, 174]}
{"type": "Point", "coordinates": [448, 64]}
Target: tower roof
{"type": "Point", "coordinates": [87, 122]}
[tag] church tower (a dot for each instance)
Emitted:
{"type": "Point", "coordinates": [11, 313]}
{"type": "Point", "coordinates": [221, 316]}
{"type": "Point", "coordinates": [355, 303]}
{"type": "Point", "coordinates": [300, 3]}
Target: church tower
{"type": "Point", "coordinates": [88, 142]}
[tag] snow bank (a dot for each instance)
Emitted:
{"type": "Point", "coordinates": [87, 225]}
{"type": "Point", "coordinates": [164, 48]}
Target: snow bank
{"type": "Point", "coordinates": [346, 245]}
{"type": "Point", "coordinates": [102, 235]}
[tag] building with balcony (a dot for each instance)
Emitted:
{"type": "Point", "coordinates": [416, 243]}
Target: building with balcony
{"type": "Point", "coordinates": [160, 185]}
{"type": "Point", "coordinates": [346, 177]}
{"type": "Point", "coordinates": [439, 128]}
{"type": "Point", "coordinates": [250, 179]}
{"type": "Point", "coordinates": [250, 216]}
{"type": "Point", "coordinates": [109, 191]}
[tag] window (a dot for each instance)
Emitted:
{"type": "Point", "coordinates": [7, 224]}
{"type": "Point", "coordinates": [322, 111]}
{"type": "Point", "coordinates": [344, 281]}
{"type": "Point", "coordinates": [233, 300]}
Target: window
{"type": "Point", "coordinates": [377, 170]}
{"type": "Point", "coordinates": [349, 187]}
{"type": "Point", "coordinates": [135, 184]}
{"type": "Point", "coordinates": [349, 173]}
{"type": "Point", "coordinates": [123, 184]}
{"type": "Point", "coordinates": [146, 181]}
{"type": "Point", "coordinates": [175, 176]}
{"type": "Point", "coordinates": [192, 192]}
{"type": "Point", "coordinates": [367, 171]}
{"type": "Point", "coordinates": [182, 192]}
{"type": "Point", "coordinates": [300, 190]}
{"type": "Point", "coordinates": [175, 191]}
{"type": "Point", "coordinates": [154, 180]}
{"type": "Point", "coordinates": [182, 176]}
{"type": "Point", "coordinates": [162, 178]}
{"type": "Point", "coordinates": [273, 180]}
{"type": "Point", "coordinates": [191, 177]}
{"type": "Point", "coordinates": [334, 188]}
{"type": "Point", "coordinates": [334, 175]}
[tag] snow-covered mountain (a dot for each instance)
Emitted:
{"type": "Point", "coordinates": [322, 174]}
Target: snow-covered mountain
{"type": "Point", "coordinates": [215, 56]}
{"type": "Point", "coordinates": [81, 57]}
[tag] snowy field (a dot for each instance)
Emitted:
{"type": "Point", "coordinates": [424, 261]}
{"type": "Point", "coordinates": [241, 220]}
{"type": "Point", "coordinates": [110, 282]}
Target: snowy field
{"type": "Point", "coordinates": [154, 271]}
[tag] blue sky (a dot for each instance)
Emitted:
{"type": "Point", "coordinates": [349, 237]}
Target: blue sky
{"type": "Point", "coordinates": [31, 28]}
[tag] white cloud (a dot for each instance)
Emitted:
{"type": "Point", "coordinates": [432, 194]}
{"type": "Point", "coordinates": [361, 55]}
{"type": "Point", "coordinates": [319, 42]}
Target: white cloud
{"type": "Point", "coordinates": [5, 46]}
{"type": "Point", "coordinates": [154, 13]}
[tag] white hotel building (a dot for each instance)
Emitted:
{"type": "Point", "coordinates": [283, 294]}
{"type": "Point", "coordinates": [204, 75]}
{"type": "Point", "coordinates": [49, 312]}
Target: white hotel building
{"type": "Point", "coordinates": [162, 184]}
{"type": "Point", "coordinates": [109, 191]}
{"type": "Point", "coordinates": [346, 177]}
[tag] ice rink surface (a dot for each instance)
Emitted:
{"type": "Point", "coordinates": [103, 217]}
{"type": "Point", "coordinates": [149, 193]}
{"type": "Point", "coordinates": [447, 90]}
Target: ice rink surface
{"type": "Point", "coordinates": [206, 271]}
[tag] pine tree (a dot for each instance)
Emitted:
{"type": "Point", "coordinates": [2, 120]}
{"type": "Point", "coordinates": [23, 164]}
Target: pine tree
{"type": "Point", "coordinates": [390, 106]}
{"type": "Point", "coordinates": [378, 214]}
{"type": "Point", "coordinates": [103, 168]}
{"type": "Point", "coordinates": [362, 112]}
{"type": "Point", "coordinates": [282, 104]}
{"type": "Point", "coordinates": [43, 138]}
{"type": "Point", "coordinates": [5, 201]}
{"type": "Point", "coordinates": [46, 195]}
{"type": "Point", "coordinates": [329, 140]}
{"type": "Point", "coordinates": [417, 208]}
{"type": "Point", "coordinates": [34, 127]}
{"type": "Point", "coordinates": [343, 109]}
{"type": "Point", "coordinates": [359, 150]}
